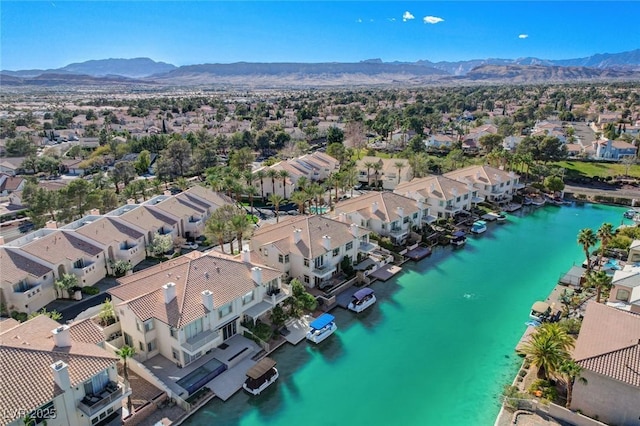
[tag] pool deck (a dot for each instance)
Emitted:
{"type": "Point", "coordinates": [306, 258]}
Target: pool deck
{"type": "Point", "coordinates": [386, 272]}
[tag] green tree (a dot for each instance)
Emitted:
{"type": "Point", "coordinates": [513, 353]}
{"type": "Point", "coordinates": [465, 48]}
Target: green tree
{"type": "Point", "coordinates": [300, 198]}
{"type": "Point", "coordinates": [160, 244]}
{"type": "Point", "coordinates": [275, 200]}
{"type": "Point", "coordinates": [19, 147]}
{"type": "Point", "coordinates": [242, 226]}
{"type": "Point", "coordinates": [490, 142]}
{"type": "Point", "coordinates": [554, 183]}
{"type": "Point", "coordinates": [107, 314]}
{"type": "Point", "coordinates": [334, 135]}
{"type": "Point", "coordinates": [587, 239]}
{"type": "Point", "coordinates": [605, 234]}
{"type": "Point", "coordinates": [242, 159]}
{"type": "Point", "coordinates": [65, 284]}
{"type": "Point", "coordinates": [547, 348]}
{"type": "Point", "coordinates": [600, 281]}
{"type": "Point", "coordinates": [124, 172]}
{"type": "Point", "coordinates": [337, 151]}
{"type": "Point", "coordinates": [143, 162]}
{"type": "Point", "coordinates": [125, 353]}
{"type": "Point", "coordinates": [54, 315]}
{"type": "Point", "coordinates": [283, 174]}
{"type": "Point", "coordinates": [571, 371]}
{"type": "Point", "coordinates": [178, 153]}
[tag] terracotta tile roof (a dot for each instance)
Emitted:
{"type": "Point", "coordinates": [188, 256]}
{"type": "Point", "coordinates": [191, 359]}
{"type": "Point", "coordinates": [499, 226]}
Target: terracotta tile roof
{"type": "Point", "coordinates": [86, 331]}
{"type": "Point", "coordinates": [438, 187]}
{"type": "Point", "coordinates": [622, 365]}
{"type": "Point", "coordinates": [605, 330]}
{"type": "Point", "coordinates": [11, 183]}
{"type": "Point", "coordinates": [179, 207]}
{"type": "Point", "coordinates": [60, 246]}
{"type": "Point", "coordinates": [148, 217]}
{"type": "Point", "coordinates": [313, 228]}
{"type": "Point", "coordinates": [215, 198]}
{"type": "Point", "coordinates": [27, 352]}
{"type": "Point", "coordinates": [16, 267]}
{"type": "Point", "coordinates": [107, 230]}
{"type": "Point", "coordinates": [388, 204]}
{"type": "Point", "coordinates": [225, 277]}
{"type": "Point", "coordinates": [480, 174]}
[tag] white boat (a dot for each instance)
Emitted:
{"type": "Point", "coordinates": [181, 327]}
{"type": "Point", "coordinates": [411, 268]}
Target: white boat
{"type": "Point", "coordinates": [540, 311]}
{"type": "Point", "coordinates": [629, 214]}
{"type": "Point", "coordinates": [260, 376]}
{"type": "Point", "coordinates": [527, 201]}
{"type": "Point", "coordinates": [538, 201]}
{"type": "Point", "coordinates": [459, 238]}
{"type": "Point", "coordinates": [362, 299]}
{"type": "Point", "coordinates": [479, 226]}
{"type": "Point", "coordinates": [501, 217]}
{"type": "Point", "coordinates": [321, 328]}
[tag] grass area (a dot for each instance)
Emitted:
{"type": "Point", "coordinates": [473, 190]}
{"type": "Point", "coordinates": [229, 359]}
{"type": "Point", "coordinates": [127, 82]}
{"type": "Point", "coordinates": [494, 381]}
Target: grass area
{"type": "Point", "coordinates": [591, 169]}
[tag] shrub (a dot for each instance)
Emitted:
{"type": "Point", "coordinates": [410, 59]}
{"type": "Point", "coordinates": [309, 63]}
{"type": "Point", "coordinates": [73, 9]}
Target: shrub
{"type": "Point", "coordinates": [263, 332]}
{"type": "Point", "coordinates": [90, 290]}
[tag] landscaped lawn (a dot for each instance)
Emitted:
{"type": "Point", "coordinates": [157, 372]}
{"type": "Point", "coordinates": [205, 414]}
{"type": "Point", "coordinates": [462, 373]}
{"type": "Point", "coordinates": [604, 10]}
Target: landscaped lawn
{"type": "Point", "coordinates": [591, 169]}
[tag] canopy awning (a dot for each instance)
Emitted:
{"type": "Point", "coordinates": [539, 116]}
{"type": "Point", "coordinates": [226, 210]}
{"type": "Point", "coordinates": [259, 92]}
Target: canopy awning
{"type": "Point", "coordinates": [322, 321]}
{"type": "Point", "coordinates": [258, 309]}
{"type": "Point", "coordinates": [458, 234]}
{"type": "Point", "coordinates": [262, 367]}
{"type": "Point", "coordinates": [541, 307]}
{"type": "Point", "coordinates": [362, 293]}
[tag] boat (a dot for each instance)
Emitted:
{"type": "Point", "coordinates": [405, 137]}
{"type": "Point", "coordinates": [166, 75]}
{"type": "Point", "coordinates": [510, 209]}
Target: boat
{"type": "Point", "coordinates": [527, 201]}
{"type": "Point", "coordinates": [538, 201]}
{"type": "Point", "coordinates": [501, 217]}
{"type": "Point", "coordinates": [630, 214]}
{"type": "Point", "coordinates": [260, 376]}
{"type": "Point", "coordinates": [321, 328]}
{"type": "Point", "coordinates": [459, 238]}
{"type": "Point", "coordinates": [540, 311]}
{"type": "Point", "coordinates": [479, 226]}
{"type": "Point", "coordinates": [362, 299]}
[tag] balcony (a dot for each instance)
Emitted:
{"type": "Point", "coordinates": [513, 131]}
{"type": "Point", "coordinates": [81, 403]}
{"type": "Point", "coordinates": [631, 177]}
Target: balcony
{"type": "Point", "coordinates": [367, 247]}
{"type": "Point", "coordinates": [91, 404]}
{"type": "Point", "coordinates": [84, 267]}
{"type": "Point", "coordinates": [195, 343]}
{"type": "Point", "coordinates": [428, 219]}
{"type": "Point", "coordinates": [324, 271]}
{"type": "Point", "coordinates": [277, 295]}
{"type": "Point", "coordinates": [399, 232]}
{"type": "Point", "coordinates": [449, 208]}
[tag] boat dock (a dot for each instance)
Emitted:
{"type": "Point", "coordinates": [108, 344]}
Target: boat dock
{"type": "Point", "coordinates": [386, 272]}
{"type": "Point", "coordinates": [344, 298]}
{"type": "Point", "coordinates": [490, 217]}
{"type": "Point", "coordinates": [298, 329]}
{"type": "Point", "coordinates": [418, 253]}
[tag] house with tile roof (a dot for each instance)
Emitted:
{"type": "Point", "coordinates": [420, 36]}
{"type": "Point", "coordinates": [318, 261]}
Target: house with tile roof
{"type": "Point", "coordinates": [493, 184]}
{"type": "Point", "coordinates": [57, 374]}
{"type": "Point", "coordinates": [442, 196]}
{"type": "Point", "coordinates": [389, 175]}
{"type": "Point", "coordinates": [625, 291]}
{"type": "Point", "coordinates": [26, 285]}
{"type": "Point", "coordinates": [185, 307]}
{"type": "Point", "coordinates": [614, 150]}
{"type": "Point", "coordinates": [385, 213]}
{"type": "Point", "coordinates": [10, 184]}
{"type": "Point", "coordinates": [118, 239]}
{"type": "Point", "coordinates": [149, 218]}
{"type": "Point", "coordinates": [64, 252]}
{"type": "Point", "coordinates": [309, 248]}
{"type": "Point", "coordinates": [608, 350]}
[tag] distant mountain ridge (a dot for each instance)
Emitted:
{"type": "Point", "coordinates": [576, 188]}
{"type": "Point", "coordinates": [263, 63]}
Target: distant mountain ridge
{"type": "Point", "coordinates": [132, 68]}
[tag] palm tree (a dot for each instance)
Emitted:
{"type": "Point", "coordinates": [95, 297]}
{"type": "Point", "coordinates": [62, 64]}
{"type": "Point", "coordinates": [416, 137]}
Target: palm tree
{"type": "Point", "coordinates": [251, 192]}
{"type": "Point", "coordinates": [369, 165]}
{"type": "Point", "coordinates": [376, 168]}
{"type": "Point", "coordinates": [300, 198]}
{"type": "Point", "coordinates": [273, 174]}
{"type": "Point", "coordinates": [547, 348]}
{"type": "Point", "coordinates": [275, 200]}
{"type": "Point", "coordinates": [571, 370]}
{"type": "Point", "coordinates": [260, 175]}
{"type": "Point", "coordinates": [217, 229]}
{"type": "Point", "coordinates": [600, 281]}
{"type": "Point", "coordinates": [315, 190]}
{"type": "Point", "coordinates": [283, 174]}
{"type": "Point", "coordinates": [241, 226]}
{"type": "Point", "coordinates": [302, 183]}
{"type": "Point", "coordinates": [605, 235]}
{"type": "Point", "coordinates": [399, 165]}
{"type": "Point", "coordinates": [351, 178]}
{"type": "Point", "coordinates": [124, 353]}
{"type": "Point", "coordinates": [587, 239]}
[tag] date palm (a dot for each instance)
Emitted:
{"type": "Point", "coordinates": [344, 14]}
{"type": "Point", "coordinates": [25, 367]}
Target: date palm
{"type": "Point", "coordinates": [605, 235]}
{"type": "Point", "coordinates": [547, 348]}
{"type": "Point", "coordinates": [587, 239]}
{"type": "Point", "coordinates": [571, 371]}
{"type": "Point", "coordinates": [300, 198]}
{"type": "Point", "coordinates": [399, 165]}
{"type": "Point", "coordinates": [125, 353]}
{"type": "Point", "coordinates": [275, 200]}
{"type": "Point", "coordinates": [217, 229]}
{"type": "Point", "coordinates": [600, 281]}
{"type": "Point", "coordinates": [241, 226]}
{"type": "Point", "coordinates": [251, 192]}
{"type": "Point", "coordinates": [377, 167]}
{"type": "Point", "coordinates": [369, 165]}
{"type": "Point", "coordinates": [259, 176]}
{"type": "Point", "coordinates": [283, 174]}
{"type": "Point", "coordinates": [273, 175]}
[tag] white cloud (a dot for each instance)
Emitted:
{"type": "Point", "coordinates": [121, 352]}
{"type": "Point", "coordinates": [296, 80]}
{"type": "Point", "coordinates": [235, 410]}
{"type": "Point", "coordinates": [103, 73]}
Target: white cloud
{"type": "Point", "coordinates": [359, 21]}
{"type": "Point", "coordinates": [391, 19]}
{"type": "Point", "coordinates": [523, 36]}
{"type": "Point", "coordinates": [432, 19]}
{"type": "Point", "coordinates": [407, 16]}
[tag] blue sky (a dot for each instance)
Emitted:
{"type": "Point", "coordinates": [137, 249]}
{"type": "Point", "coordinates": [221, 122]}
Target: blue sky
{"type": "Point", "coordinates": [51, 34]}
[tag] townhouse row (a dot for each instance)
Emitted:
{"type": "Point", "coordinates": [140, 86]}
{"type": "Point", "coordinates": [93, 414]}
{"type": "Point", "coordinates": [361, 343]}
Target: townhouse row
{"type": "Point", "coordinates": [88, 247]}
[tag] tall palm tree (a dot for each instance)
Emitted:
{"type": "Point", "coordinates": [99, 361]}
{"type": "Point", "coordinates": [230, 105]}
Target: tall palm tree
{"type": "Point", "coordinates": [125, 353]}
{"type": "Point", "coordinates": [302, 183]}
{"type": "Point", "coordinates": [377, 167]}
{"type": "Point", "coordinates": [605, 235]}
{"type": "Point", "coordinates": [283, 174]}
{"type": "Point", "coordinates": [275, 200]}
{"type": "Point", "coordinates": [600, 281]}
{"type": "Point", "coordinates": [300, 198]}
{"type": "Point", "coordinates": [251, 192]}
{"type": "Point", "coordinates": [260, 175]}
{"type": "Point", "coordinates": [315, 190]}
{"type": "Point", "coordinates": [241, 226]}
{"type": "Point", "coordinates": [399, 165]}
{"type": "Point", "coordinates": [217, 229]}
{"type": "Point", "coordinates": [587, 239]}
{"type": "Point", "coordinates": [369, 165]}
{"type": "Point", "coordinates": [571, 371]}
{"type": "Point", "coordinates": [547, 348]}
{"type": "Point", "coordinates": [273, 174]}
{"type": "Point", "coordinates": [351, 178]}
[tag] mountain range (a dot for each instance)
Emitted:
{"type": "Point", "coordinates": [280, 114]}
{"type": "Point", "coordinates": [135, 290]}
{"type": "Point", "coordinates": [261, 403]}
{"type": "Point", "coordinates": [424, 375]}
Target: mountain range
{"type": "Point", "coordinates": [147, 72]}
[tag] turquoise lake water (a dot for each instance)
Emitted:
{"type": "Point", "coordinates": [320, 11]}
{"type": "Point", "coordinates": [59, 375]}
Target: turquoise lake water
{"type": "Point", "coordinates": [438, 347]}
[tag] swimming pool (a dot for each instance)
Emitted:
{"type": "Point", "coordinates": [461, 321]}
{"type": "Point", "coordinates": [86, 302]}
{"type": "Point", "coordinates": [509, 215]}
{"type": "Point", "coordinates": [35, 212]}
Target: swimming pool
{"type": "Point", "coordinates": [201, 375]}
{"type": "Point", "coordinates": [319, 210]}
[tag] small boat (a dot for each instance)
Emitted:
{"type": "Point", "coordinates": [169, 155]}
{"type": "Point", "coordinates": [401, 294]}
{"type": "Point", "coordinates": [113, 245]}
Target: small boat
{"type": "Point", "coordinates": [459, 238]}
{"type": "Point", "coordinates": [540, 311]}
{"type": "Point", "coordinates": [321, 328]}
{"type": "Point", "coordinates": [362, 299]}
{"type": "Point", "coordinates": [527, 201]}
{"type": "Point", "coordinates": [630, 214]}
{"type": "Point", "coordinates": [501, 217]}
{"type": "Point", "coordinates": [260, 376]}
{"type": "Point", "coordinates": [538, 201]}
{"type": "Point", "coordinates": [479, 227]}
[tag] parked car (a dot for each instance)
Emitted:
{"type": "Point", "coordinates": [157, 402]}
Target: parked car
{"type": "Point", "coordinates": [189, 246]}
{"type": "Point", "coordinates": [26, 227]}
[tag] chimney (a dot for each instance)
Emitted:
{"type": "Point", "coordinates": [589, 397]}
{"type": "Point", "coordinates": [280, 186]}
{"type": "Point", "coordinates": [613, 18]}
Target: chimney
{"type": "Point", "coordinates": [207, 300]}
{"type": "Point", "coordinates": [169, 291]}
{"type": "Point", "coordinates": [297, 235]}
{"type": "Point", "coordinates": [61, 375]}
{"type": "Point", "coordinates": [94, 212]}
{"type": "Point", "coordinates": [131, 201]}
{"type": "Point", "coordinates": [374, 207]}
{"type": "Point", "coordinates": [256, 275]}
{"type": "Point", "coordinates": [246, 255]}
{"type": "Point", "coordinates": [354, 230]}
{"type": "Point", "coordinates": [62, 336]}
{"type": "Point", "coordinates": [326, 242]}
{"type": "Point", "coordinates": [51, 224]}
{"type": "Point", "coordinates": [420, 205]}
{"type": "Point", "coordinates": [342, 217]}
{"type": "Point", "coordinates": [400, 211]}
{"type": "Point", "coordinates": [167, 192]}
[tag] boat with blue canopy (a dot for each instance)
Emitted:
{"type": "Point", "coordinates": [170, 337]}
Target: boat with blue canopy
{"type": "Point", "coordinates": [459, 238]}
{"type": "Point", "coordinates": [321, 328]}
{"type": "Point", "coordinates": [361, 300]}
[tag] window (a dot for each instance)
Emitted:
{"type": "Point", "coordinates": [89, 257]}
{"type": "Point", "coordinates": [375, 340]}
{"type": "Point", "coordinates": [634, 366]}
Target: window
{"type": "Point", "coordinates": [306, 262]}
{"type": "Point", "coordinates": [280, 258]}
{"type": "Point", "coordinates": [225, 310]}
{"type": "Point", "coordinates": [247, 298]}
{"type": "Point", "coordinates": [336, 252]}
{"type": "Point", "coordinates": [466, 196]}
{"type": "Point", "coordinates": [21, 287]}
{"type": "Point", "coordinates": [175, 354]}
{"type": "Point", "coordinates": [97, 383]}
{"type": "Point", "coordinates": [148, 325]}
{"type": "Point", "coordinates": [458, 200]}
{"type": "Point", "coordinates": [306, 279]}
{"type": "Point", "coordinates": [405, 219]}
{"type": "Point", "coordinates": [384, 226]}
{"type": "Point", "coordinates": [79, 264]}
{"type": "Point", "coordinates": [441, 203]}
{"type": "Point", "coordinates": [415, 215]}
{"type": "Point", "coordinates": [349, 245]}
{"type": "Point", "coordinates": [141, 346]}
{"type": "Point", "coordinates": [152, 346]}
{"type": "Point", "coordinates": [173, 332]}
{"type": "Point", "coordinates": [622, 295]}
{"type": "Point", "coordinates": [265, 252]}
{"type": "Point", "coordinates": [362, 223]}
{"type": "Point", "coordinates": [128, 340]}
{"type": "Point", "coordinates": [286, 258]}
